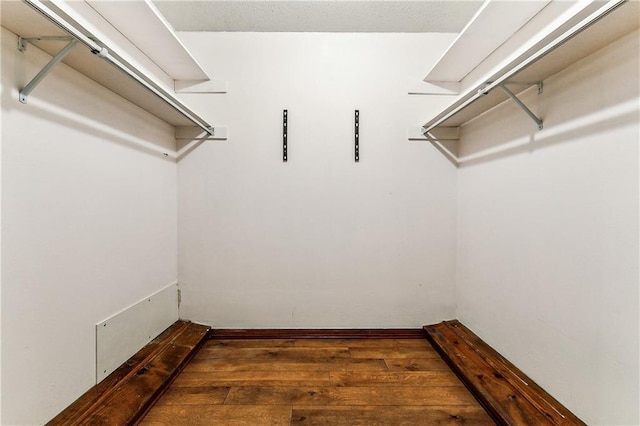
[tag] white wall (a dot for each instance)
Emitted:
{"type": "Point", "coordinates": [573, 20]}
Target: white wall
{"type": "Point", "coordinates": [547, 231]}
{"type": "Point", "coordinates": [548, 235]}
{"type": "Point", "coordinates": [88, 227]}
{"type": "Point", "coordinates": [319, 241]}
{"type": "Point", "coordinates": [1, 316]}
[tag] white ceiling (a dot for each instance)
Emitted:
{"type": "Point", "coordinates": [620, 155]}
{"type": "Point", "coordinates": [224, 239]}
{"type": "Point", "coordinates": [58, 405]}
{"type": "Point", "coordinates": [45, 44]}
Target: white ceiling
{"type": "Point", "coordinates": [319, 16]}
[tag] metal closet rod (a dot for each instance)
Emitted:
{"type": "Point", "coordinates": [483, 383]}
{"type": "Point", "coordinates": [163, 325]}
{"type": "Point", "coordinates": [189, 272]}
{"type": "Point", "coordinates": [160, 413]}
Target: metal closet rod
{"type": "Point", "coordinates": [103, 53]}
{"type": "Point", "coordinates": [519, 65]}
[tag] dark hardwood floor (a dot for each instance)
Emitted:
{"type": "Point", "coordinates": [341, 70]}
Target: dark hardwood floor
{"type": "Point", "coordinates": [317, 382]}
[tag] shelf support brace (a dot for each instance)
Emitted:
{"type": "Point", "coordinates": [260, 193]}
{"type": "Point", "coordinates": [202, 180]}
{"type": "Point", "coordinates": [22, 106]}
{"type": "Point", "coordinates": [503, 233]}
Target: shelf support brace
{"type": "Point", "coordinates": [24, 41]}
{"type": "Point", "coordinates": [24, 93]}
{"type": "Point", "coordinates": [522, 105]}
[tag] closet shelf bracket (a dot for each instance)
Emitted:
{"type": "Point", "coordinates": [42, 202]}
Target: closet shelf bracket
{"type": "Point", "coordinates": [538, 84]}
{"type": "Point", "coordinates": [534, 117]}
{"type": "Point", "coordinates": [521, 104]}
{"type": "Point", "coordinates": [22, 46]}
{"type": "Point", "coordinates": [24, 41]}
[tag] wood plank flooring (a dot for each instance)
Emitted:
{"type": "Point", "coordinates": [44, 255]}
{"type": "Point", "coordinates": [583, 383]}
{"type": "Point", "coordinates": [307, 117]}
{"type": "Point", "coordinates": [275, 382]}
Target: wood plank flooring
{"type": "Point", "coordinates": [317, 382]}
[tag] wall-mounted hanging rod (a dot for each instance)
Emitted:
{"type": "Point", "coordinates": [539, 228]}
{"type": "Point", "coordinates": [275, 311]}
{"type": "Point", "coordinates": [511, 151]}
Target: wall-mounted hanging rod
{"type": "Point", "coordinates": [537, 51]}
{"type": "Point", "coordinates": [120, 64]}
{"type": "Point", "coordinates": [284, 135]}
{"type": "Point", "coordinates": [357, 136]}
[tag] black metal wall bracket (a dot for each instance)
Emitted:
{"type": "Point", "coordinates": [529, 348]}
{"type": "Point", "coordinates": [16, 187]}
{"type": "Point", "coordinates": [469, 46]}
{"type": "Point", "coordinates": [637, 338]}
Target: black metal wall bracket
{"type": "Point", "coordinates": [357, 136]}
{"type": "Point", "coordinates": [284, 135]}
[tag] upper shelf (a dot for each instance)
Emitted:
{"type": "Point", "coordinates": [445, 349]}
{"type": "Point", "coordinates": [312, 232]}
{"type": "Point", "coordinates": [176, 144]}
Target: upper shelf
{"type": "Point", "coordinates": [155, 38]}
{"type": "Point", "coordinates": [584, 33]}
{"type": "Point", "coordinates": [484, 33]}
{"type": "Point", "coordinates": [152, 92]}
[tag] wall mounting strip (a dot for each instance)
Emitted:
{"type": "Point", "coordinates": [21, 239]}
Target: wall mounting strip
{"type": "Point", "coordinates": [533, 54]}
{"type": "Point", "coordinates": [284, 135]}
{"type": "Point", "coordinates": [121, 64]}
{"type": "Point", "coordinates": [357, 136]}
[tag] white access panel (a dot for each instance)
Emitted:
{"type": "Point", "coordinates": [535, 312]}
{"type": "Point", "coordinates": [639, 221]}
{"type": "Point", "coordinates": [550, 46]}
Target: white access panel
{"type": "Point", "coordinates": [123, 334]}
